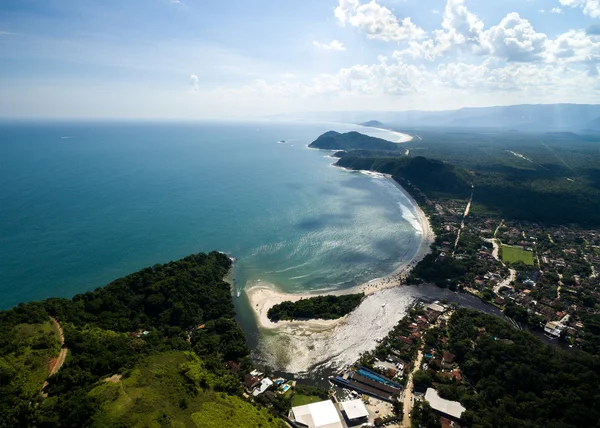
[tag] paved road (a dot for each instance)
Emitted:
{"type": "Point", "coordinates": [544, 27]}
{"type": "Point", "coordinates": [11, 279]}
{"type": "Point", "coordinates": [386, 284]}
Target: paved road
{"type": "Point", "coordinates": [408, 395]}
{"type": "Point", "coordinates": [462, 224]}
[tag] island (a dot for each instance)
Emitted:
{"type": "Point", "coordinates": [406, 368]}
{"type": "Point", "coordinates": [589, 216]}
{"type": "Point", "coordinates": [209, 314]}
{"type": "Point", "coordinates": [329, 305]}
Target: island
{"type": "Point", "coordinates": [318, 307]}
{"type": "Point", "coordinates": [333, 140]}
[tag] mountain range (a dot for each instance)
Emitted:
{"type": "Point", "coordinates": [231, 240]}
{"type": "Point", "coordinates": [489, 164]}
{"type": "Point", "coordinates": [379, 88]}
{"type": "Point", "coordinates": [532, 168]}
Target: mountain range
{"type": "Point", "coordinates": [534, 117]}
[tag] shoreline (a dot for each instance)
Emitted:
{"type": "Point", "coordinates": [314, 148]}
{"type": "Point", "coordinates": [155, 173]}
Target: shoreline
{"type": "Point", "coordinates": [402, 137]}
{"type": "Point", "coordinates": [264, 296]}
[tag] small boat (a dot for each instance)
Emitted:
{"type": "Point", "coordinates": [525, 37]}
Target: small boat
{"type": "Point", "coordinates": [239, 293]}
{"type": "Point", "coordinates": [281, 141]}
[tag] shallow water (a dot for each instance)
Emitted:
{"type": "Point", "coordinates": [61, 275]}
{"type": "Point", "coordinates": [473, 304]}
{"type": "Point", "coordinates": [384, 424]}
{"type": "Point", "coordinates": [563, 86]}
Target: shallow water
{"type": "Point", "coordinates": [84, 203]}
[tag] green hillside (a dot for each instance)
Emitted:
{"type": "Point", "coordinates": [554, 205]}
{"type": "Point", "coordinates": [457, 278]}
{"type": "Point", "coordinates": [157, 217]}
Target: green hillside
{"type": "Point", "coordinates": [161, 335]}
{"type": "Point", "coordinates": [168, 389]}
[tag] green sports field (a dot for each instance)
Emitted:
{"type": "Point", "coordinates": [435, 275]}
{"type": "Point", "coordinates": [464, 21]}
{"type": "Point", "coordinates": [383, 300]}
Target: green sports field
{"type": "Point", "coordinates": [516, 254]}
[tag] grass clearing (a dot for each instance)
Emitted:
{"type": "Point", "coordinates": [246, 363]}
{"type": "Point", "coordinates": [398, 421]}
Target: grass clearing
{"type": "Point", "coordinates": [37, 344]}
{"type": "Point", "coordinates": [157, 393]}
{"type": "Point", "coordinates": [301, 400]}
{"type": "Point", "coordinates": [516, 254]}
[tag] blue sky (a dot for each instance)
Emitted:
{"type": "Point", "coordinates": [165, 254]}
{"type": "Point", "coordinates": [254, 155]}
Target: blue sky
{"type": "Point", "coordinates": [204, 58]}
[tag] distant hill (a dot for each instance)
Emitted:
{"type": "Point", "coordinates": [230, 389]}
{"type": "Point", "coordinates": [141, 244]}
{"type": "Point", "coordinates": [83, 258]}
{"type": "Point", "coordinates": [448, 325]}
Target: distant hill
{"type": "Point", "coordinates": [534, 117]}
{"type": "Point", "coordinates": [373, 124]}
{"type": "Point", "coordinates": [351, 141]}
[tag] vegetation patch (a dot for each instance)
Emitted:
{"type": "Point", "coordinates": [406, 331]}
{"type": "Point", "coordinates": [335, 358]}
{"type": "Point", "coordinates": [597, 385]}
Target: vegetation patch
{"type": "Point", "coordinates": [234, 412]}
{"type": "Point", "coordinates": [301, 400]}
{"type": "Point", "coordinates": [25, 360]}
{"type": "Point", "coordinates": [319, 307]}
{"type": "Point", "coordinates": [516, 255]}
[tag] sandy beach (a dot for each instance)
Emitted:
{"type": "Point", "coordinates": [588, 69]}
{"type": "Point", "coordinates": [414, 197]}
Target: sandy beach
{"type": "Point", "coordinates": [298, 346]}
{"type": "Point", "coordinates": [402, 138]}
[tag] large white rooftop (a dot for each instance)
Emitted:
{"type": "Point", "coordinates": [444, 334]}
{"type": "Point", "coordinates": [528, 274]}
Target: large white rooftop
{"type": "Point", "coordinates": [318, 415]}
{"type": "Point", "coordinates": [452, 408]}
{"type": "Point", "coordinates": [355, 409]}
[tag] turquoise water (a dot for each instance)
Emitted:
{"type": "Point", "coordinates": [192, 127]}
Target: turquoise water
{"type": "Point", "coordinates": [84, 203]}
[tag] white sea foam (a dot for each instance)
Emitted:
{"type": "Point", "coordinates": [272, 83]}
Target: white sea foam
{"type": "Point", "coordinates": [289, 268]}
{"type": "Point", "coordinates": [301, 276]}
{"type": "Point", "coordinates": [410, 217]}
{"type": "Point", "coordinates": [372, 174]}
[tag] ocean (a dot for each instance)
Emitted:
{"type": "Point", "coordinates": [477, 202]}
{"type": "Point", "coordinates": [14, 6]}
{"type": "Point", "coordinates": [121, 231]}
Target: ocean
{"type": "Point", "coordinates": [82, 204]}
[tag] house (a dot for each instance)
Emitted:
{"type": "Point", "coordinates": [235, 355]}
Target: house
{"type": "Point", "coordinates": [448, 357]}
{"type": "Point", "coordinates": [233, 367]}
{"type": "Point", "coordinates": [405, 339]}
{"type": "Point", "coordinates": [317, 415]}
{"type": "Point", "coordinates": [251, 381]}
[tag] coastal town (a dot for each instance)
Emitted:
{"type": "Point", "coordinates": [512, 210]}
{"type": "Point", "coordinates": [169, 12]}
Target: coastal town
{"type": "Point", "coordinates": [383, 388]}
{"type": "Point", "coordinates": [544, 278]}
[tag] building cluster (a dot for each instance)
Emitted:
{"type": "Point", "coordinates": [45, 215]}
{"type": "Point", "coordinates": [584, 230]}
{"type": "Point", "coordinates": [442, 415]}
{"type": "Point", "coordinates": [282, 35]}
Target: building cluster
{"type": "Point", "coordinates": [559, 276]}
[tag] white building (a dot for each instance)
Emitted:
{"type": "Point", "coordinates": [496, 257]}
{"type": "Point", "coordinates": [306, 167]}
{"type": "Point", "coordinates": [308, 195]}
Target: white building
{"type": "Point", "coordinates": [436, 307]}
{"type": "Point", "coordinates": [262, 387]}
{"type": "Point", "coordinates": [441, 405]}
{"type": "Point", "coordinates": [554, 328]}
{"type": "Point", "coordinates": [317, 415]}
{"type": "Point", "coordinates": [355, 410]}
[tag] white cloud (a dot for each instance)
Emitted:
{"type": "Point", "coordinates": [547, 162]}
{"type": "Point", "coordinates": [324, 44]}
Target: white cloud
{"type": "Point", "coordinates": [194, 82]}
{"type": "Point", "coordinates": [590, 7]}
{"type": "Point", "coordinates": [556, 10]}
{"type": "Point", "coordinates": [574, 46]}
{"type": "Point", "coordinates": [335, 45]}
{"type": "Point", "coordinates": [514, 39]}
{"type": "Point", "coordinates": [377, 21]}
{"type": "Point", "coordinates": [345, 9]}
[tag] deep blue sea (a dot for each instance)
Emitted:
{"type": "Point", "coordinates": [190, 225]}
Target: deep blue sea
{"type": "Point", "coordinates": [84, 203]}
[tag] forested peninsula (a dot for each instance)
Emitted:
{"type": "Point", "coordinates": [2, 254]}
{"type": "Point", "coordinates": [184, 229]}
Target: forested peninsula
{"type": "Point", "coordinates": [149, 349]}
{"type": "Point", "coordinates": [318, 307]}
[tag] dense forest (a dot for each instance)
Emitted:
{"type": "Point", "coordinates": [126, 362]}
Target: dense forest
{"type": "Point", "coordinates": [429, 175]}
{"type": "Point", "coordinates": [518, 381]}
{"type": "Point", "coordinates": [169, 322]}
{"type": "Point", "coordinates": [319, 307]}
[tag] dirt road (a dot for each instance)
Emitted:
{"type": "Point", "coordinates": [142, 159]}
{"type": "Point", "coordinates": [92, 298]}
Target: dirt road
{"type": "Point", "coordinates": [57, 363]}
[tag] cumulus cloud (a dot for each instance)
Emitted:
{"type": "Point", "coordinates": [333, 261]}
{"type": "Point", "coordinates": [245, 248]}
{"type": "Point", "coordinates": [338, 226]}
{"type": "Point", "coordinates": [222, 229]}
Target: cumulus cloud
{"type": "Point", "coordinates": [590, 7]}
{"type": "Point", "coordinates": [377, 21]}
{"type": "Point", "coordinates": [514, 39]}
{"type": "Point", "coordinates": [574, 46]}
{"type": "Point", "coordinates": [334, 45]}
{"type": "Point", "coordinates": [463, 56]}
{"type": "Point", "coordinates": [556, 10]}
{"type": "Point", "coordinates": [194, 82]}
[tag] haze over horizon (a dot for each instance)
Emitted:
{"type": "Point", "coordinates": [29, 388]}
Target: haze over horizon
{"type": "Point", "coordinates": [185, 59]}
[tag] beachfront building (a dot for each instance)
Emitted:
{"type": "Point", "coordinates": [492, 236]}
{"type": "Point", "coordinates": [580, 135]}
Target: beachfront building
{"type": "Point", "coordinates": [317, 415]}
{"type": "Point", "coordinates": [355, 412]}
{"type": "Point", "coordinates": [450, 409]}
